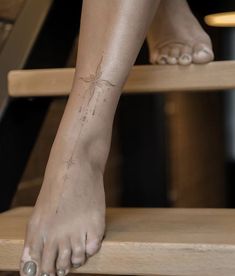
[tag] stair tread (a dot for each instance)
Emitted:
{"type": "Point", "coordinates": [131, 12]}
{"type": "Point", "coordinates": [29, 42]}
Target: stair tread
{"type": "Point", "coordinates": [153, 241]}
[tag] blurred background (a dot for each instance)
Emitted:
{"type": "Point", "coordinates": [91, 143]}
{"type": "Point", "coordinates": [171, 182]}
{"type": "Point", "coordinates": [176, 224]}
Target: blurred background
{"type": "Point", "coordinates": [168, 149]}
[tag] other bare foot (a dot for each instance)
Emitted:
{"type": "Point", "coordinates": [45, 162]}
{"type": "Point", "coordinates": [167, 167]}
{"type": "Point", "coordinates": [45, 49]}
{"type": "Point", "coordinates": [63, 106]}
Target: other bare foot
{"type": "Point", "coordinates": [176, 37]}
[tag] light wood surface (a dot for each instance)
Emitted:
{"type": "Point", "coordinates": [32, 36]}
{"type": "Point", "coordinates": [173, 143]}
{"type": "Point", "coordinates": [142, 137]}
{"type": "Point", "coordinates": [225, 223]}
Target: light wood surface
{"type": "Point", "coordinates": [225, 19]}
{"type": "Point", "coordinates": [170, 241]}
{"type": "Point", "coordinates": [145, 78]}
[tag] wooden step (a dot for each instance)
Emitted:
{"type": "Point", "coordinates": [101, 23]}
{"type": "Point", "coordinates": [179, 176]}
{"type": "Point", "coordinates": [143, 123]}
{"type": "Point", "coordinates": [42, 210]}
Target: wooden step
{"type": "Point", "coordinates": [224, 19]}
{"type": "Point", "coordinates": [145, 78]}
{"type": "Point", "coordinates": [163, 241]}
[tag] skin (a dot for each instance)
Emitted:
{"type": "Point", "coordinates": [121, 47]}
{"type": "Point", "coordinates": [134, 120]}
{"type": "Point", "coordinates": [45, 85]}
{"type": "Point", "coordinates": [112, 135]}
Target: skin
{"type": "Point", "coordinates": [69, 215]}
{"type": "Point", "coordinates": [176, 37]}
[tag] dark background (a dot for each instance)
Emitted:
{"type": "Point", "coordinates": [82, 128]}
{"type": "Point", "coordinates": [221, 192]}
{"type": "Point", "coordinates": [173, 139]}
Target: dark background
{"type": "Point", "coordinates": [142, 134]}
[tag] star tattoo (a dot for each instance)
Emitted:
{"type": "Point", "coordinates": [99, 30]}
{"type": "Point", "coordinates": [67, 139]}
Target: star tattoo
{"type": "Point", "coordinates": [95, 81]}
{"type": "Point", "coordinates": [70, 162]}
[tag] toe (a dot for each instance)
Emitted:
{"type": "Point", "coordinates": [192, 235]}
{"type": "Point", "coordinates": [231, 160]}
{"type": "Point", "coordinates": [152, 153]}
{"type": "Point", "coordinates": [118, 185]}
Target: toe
{"type": "Point", "coordinates": [93, 244]}
{"type": "Point", "coordinates": [63, 262]}
{"type": "Point", "coordinates": [174, 53]}
{"type": "Point", "coordinates": [185, 55]}
{"type": "Point", "coordinates": [29, 268]}
{"type": "Point", "coordinates": [202, 53]}
{"type": "Point", "coordinates": [78, 252]}
{"type": "Point", "coordinates": [48, 257]}
{"type": "Point", "coordinates": [153, 56]}
{"type": "Point", "coordinates": [31, 256]}
{"type": "Point", "coordinates": [163, 55]}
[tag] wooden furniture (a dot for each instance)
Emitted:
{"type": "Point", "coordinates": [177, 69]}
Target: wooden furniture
{"type": "Point", "coordinates": [164, 241]}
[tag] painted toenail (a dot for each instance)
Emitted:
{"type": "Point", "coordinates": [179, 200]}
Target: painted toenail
{"type": "Point", "coordinates": [60, 272]}
{"type": "Point", "coordinates": [76, 265]}
{"type": "Point", "coordinates": [30, 268]}
{"type": "Point", "coordinates": [45, 274]}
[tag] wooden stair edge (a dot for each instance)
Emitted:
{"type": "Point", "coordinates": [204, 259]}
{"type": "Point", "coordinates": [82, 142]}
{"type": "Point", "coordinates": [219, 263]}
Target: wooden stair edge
{"type": "Point", "coordinates": [161, 241]}
{"type": "Point", "coordinates": [217, 75]}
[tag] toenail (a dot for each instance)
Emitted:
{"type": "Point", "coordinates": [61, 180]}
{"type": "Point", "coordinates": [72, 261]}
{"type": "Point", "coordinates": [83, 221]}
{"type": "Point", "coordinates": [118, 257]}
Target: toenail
{"type": "Point", "coordinates": [162, 60]}
{"type": "Point", "coordinates": [185, 57]}
{"type": "Point", "coordinates": [76, 265]}
{"type": "Point", "coordinates": [172, 60]}
{"type": "Point", "coordinates": [45, 274]}
{"type": "Point", "coordinates": [202, 53]}
{"type": "Point", "coordinates": [60, 272]}
{"type": "Point", "coordinates": [30, 268]}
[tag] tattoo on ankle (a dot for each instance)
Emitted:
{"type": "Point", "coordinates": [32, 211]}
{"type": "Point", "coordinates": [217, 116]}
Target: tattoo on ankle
{"type": "Point", "coordinates": [96, 84]}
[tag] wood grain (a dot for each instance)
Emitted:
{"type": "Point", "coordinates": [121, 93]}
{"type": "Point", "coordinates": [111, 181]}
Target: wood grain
{"type": "Point", "coordinates": [145, 78]}
{"type": "Point", "coordinates": [164, 241]}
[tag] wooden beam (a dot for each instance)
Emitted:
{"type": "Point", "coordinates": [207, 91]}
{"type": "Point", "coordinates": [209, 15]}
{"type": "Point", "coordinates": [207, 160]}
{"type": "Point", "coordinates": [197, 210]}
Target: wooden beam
{"type": "Point", "coordinates": [145, 78]}
{"type": "Point", "coordinates": [162, 241]}
{"type": "Point", "coordinates": [224, 19]}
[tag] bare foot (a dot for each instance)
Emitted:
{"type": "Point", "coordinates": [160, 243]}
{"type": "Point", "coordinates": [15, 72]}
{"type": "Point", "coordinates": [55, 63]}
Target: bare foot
{"type": "Point", "coordinates": [67, 224]}
{"type": "Point", "coordinates": [68, 220]}
{"type": "Point", "coordinates": [176, 37]}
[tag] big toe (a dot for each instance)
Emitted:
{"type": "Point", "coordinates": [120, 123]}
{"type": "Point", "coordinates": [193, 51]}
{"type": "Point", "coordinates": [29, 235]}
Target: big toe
{"type": "Point", "coordinates": [202, 53]}
{"type": "Point", "coordinates": [31, 256]}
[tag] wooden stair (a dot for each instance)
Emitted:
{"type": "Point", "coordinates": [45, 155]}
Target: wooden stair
{"type": "Point", "coordinates": [162, 241]}
{"type": "Point", "coordinates": [214, 76]}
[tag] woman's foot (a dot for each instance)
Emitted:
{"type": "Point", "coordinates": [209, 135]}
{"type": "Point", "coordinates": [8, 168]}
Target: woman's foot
{"type": "Point", "coordinates": [67, 224]}
{"type": "Point", "coordinates": [68, 220]}
{"type": "Point", "coordinates": [176, 37]}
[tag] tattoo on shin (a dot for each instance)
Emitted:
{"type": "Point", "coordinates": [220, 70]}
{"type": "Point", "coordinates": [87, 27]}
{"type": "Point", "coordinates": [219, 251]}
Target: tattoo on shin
{"type": "Point", "coordinates": [95, 87]}
{"type": "Point", "coordinates": [96, 84]}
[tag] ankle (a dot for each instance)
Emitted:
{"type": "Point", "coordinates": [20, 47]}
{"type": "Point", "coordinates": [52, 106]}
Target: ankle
{"type": "Point", "coordinates": [95, 151]}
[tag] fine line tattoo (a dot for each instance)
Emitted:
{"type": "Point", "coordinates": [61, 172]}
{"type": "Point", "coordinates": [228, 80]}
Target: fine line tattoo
{"type": "Point", "coordinates": [95, 81]}
{"type": "Point", "coordinates": [96, 84]}
{"type": "Point", "coordinates": [70, 162]}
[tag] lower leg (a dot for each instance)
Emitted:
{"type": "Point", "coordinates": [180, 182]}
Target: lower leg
{"type": "Point", "coordinates": [175, 36]}
{"type": "Point", "coordinates": [69, 216]}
